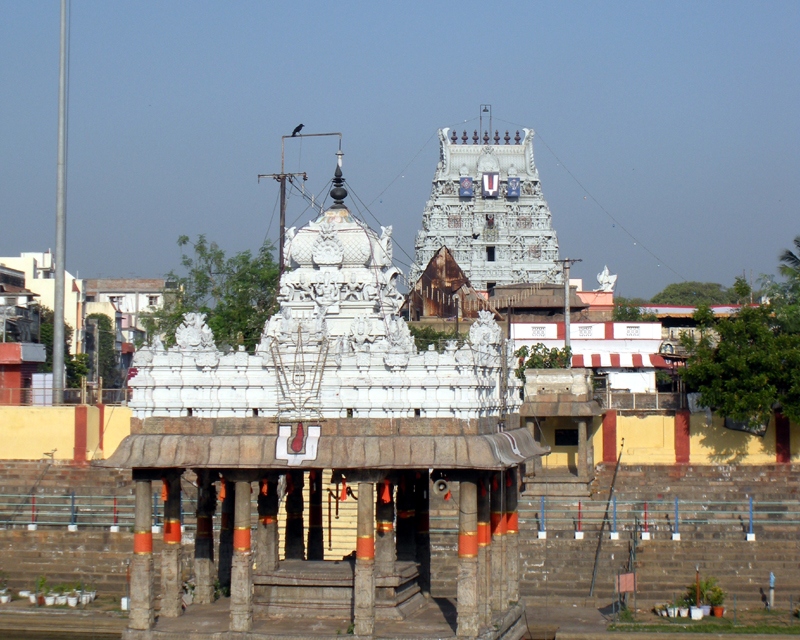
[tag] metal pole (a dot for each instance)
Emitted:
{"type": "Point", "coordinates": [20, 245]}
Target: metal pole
{"type": "Point", "coordinates": [566, 311]}
{"type": "Point", "coordinates": [282, 237]}
{"type": "Point", "coordinates": [61, 218]}
{"type": "Point", "coordinates": [751, 515]}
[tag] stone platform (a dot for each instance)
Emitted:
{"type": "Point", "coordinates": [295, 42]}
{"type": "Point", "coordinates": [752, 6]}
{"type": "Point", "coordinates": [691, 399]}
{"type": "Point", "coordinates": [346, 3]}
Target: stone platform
{"type": "Point", "coordinates": [324, 589]}
{"type": "Point", "coordinates": [436, 619]}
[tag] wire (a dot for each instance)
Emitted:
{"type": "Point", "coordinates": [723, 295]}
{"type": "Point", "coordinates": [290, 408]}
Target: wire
{"type": "Point", "coordinates": [272, 217]}
{"type": "Point", "coordinates": [597, 202]}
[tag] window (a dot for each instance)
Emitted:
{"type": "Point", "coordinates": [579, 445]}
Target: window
{"type": "Point", "coordinates": [255, 413]}
{"type": "Point", "coordinates": [90, 298]}
{"type": "Point", "coordinates": [632, 332]}
{"type": "Point", "coordinates": [489, 254]}
{"type": "Point", "coordinates": [566, 438]}
{"type": "Point", "coordinates": [417, 413]}
{"type": "Point", "coordinates": [538, 332]}
{"type": "Point", "coordinates": [152, 300]}
{"type": "Point", "coordinates": [349, 413]}
{"type": "Point", "coordinates": [490, 288]}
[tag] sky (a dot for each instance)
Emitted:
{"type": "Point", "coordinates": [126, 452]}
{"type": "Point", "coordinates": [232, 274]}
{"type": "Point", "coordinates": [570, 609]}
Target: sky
{"type": "Point", "coordinates": [668, 133]}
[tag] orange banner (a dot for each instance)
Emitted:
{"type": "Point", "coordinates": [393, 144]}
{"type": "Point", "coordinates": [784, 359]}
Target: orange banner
{"type": "Point", "coordinates": [468, 544]}
{"type": "Point", "coordinates": [365, 548]}
{"type": "Point", "coordinates": [142, 542]}
{"type": "Point", "coordinates": [241, 538]}
{"type": "Point", "coordinates": [484, 534]}
{"type": "Point", "coordinates": [172, 531]}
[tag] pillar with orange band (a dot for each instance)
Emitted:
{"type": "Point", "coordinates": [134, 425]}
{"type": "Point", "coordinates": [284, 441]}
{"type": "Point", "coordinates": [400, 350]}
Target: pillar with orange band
{"type": "Point", "coordinates": [204, 540]}
{"type": "Point", "coordinates": [511, 541]}
{"type": "Point", "coordinates": [171, 579]}
{"type": "Point", "coordinates": [422, 536]}
{"type": "Point", "coordinates": [498, 525]}
{"type": "Point", "coordinates": [267, 546]}
{"type": "Point", "coordinates": [484, 550]}
{"type": "Point", "coordinates": [316, 535]}
{"type": "Point", "coordinates": [228, 496]}
{"type": "Point", "coordinates": [142, 614]}
{"type": "Point", "coordinates": [364, 583]}
{"type": "Point", "coordinates": [467, 584]}
{"type": "Point", "coordinates": [385, 550]}
{"type": "Point", "coordinates": [242, 561]}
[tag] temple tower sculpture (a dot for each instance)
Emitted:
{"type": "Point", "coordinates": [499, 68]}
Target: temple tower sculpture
{"type": "Point", "coordinates": [487, 208]}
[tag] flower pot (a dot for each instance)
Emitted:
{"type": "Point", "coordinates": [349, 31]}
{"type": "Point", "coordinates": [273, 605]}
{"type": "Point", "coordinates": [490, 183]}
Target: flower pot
{"type": "Point", "coordinates": [41, 601]}
{"type": "Point", "coordinates": [62, 599]}
{"type": "Point", "coordinates": [86, 598]}
{"type": "Point", "coordinates": [706, 609]}
{"type": "Point", "coordinates": [72, 601]}
{"type": "Point", "coordinates": [718, 611]}
{"type": "Point", "coordinates": [32, 597]}
{"type": "Point", "coordinates": [24, 594]}
{"type": "Point", "coordinates": [188, 598]}
{"type": "Point", "coordinates": [672, 612]}
{"type": "Point", "coordinates": [5, 598]}
{"type": "Point", "coordinates": [124, 603]}
{"type": "Point", "coordinates": [696, 613]}
{"type": "Point", "coordinates": [683, 611]}
{"type": "Point", "coordinates": [49, 600]}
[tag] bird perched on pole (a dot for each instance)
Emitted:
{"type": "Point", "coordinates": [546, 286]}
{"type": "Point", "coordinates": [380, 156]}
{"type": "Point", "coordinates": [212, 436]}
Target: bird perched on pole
{"type": "Point", "coordinates": [297, 130]}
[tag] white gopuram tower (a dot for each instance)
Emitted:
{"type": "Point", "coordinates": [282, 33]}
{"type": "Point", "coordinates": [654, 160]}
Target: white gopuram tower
{"type": "Point", "coordinates": [487, 208]}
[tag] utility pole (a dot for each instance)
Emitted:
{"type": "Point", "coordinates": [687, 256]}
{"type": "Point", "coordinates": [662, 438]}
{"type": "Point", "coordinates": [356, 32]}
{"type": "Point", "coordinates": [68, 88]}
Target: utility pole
{"type": "Point", "coordinates": [61, 219]}
{"type": "Point", "coordinates": [281, 178]}
{"type": "Point", "coordinates": [567, 263]}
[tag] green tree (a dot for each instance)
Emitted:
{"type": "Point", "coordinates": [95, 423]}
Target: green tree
{"type": "Point", "coordinates": [76, 366]}
{"type": "Point", "coordinates": [746, 365]}
{"type": "Point", "coordinates": [540, 357]}
{"type": "Point", "coordinates": [632, 310]}
{"type": "Point", "coordinates": [237, 294]}
{"type": "Point", "coordinates": [791, 261]}
{"type": "Point", "coordinates": [695, 294]}
{"type": "Point", "coordinates": [427, 335]}
{"type": "Point", "coordinates": [106, 356]}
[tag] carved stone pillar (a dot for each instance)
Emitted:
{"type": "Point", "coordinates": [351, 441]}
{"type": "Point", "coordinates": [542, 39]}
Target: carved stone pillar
{"type": "Point", "coordinates": [364, 583]}
{"type": "Point", "coordinates": [467, 581]}
{"type": "Point", "coordinates": [171, 582]}
{"type": "Point", "coordinates": [294, 545]}
{"type": "Point", "coordinates": [142, 614]}
{"type": "Point", "coordinates": [267, 548]}
{"type": "Point", "coordinates": [484, 551]}
{"type": "Point", "coordinates": [385, 549]}
{"type": "Point", "coordinates": [316, 539]}
{"type": "Point", "coordinates": [584, 463]}
{"type": "Point", "coordinates": [498, 524]}
{"type": "Point", "coordinates": [242, 563]}
{"type": "Point", "coordinates": [204, 540]}
{"type": "Point", "coordinates": [228, 496]}
{"type": "Point", "coordinates": [406, 546]}
{"type": "Point", "coordinates": [422, 538]}
{"type": "Point", "coordinates": [512, 536]}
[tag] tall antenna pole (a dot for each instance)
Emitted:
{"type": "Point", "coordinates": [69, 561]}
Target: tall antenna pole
{"type": "Point", "coordinates": [567, 307]}
{"type": "Point", "coordinates": [61, 218]}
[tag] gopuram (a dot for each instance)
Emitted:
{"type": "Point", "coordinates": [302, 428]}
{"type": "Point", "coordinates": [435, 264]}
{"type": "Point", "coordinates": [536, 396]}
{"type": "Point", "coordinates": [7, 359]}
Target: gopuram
{"type": "Point", "coordinates": [487, 208]}
{"type": "Point", "coordinates": [336, 389]}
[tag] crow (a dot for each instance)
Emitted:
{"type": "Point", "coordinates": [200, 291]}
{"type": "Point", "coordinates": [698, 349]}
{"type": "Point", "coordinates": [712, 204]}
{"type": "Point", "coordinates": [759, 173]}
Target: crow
{"type": "Point", "coordinates": [297, 130]}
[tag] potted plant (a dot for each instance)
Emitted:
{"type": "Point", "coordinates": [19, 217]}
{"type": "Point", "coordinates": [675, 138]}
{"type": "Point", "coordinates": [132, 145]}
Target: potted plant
{"type": "Point", "coordinates": [188, 593]}
{"type": "Point", "coordinates": [5, 596]}
{"type": "Point", "coordinates": [683, 608]}
{"type": "Point", "coordinates": [716, 598]}
{"type": "Point", "coordinates": [38, 596]}
{"type": "Point", "coordinates": [61, 593]}
{"type": "Point", "coordinates": [690, 596]}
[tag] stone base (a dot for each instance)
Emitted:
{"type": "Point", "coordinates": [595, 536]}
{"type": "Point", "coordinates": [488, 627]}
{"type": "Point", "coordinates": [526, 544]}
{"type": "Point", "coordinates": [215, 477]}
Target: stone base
{"type": "Point", "coordinates": [324, 589]}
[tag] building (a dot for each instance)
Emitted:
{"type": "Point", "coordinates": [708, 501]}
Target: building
{"type": "Point", "coordinates": [39, 275]}
{"type": "Point", "coordinates": [487, 208]}
{"type": "Point", "coordinates": [19, 311]}
{"type": "Point", "coordinates": [128, 297]}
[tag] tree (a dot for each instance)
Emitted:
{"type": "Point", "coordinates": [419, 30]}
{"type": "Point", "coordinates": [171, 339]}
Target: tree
{"type": "Point", "coordinates": [237, 294]}
{"type": "Point", "coordinates": [791, 261]}
{"type": "Point", "coordinates": [632, 310]}
{"type": "Point", "coordinates": [106, 354]}
{"type": "Point", "coordinates": [746, 365]}
{"type": "Point", "coordinates": [540, 357]}
{"type": "Point", "coordinates": [696, 294]}
{"type": "Point", "coordinates": [427, 335]}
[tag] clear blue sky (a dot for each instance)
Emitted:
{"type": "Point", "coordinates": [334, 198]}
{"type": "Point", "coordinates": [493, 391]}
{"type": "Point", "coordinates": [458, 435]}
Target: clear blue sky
{"type": "Point", "coordinates": [680, 118]}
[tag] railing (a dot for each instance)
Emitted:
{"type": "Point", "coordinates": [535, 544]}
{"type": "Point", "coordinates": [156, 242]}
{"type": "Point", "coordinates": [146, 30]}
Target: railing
{"type": "Point", "coordinates": [43, 397]}
{"type": "Point", "coordinates": [626, 401]}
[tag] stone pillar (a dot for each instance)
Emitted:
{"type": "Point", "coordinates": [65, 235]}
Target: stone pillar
{"type": "Point", "coordinates": [584, 459]}
{"type": "Point", "coordinates": [385, 549]}
{"type": "Point", "coordinates": [228, 496]}
{"type": "Point", "coordinates": [467, 581]}
{"type": "Point", "coordinates": [498, 524]}
{"type": "Point", "coordinates": [171, 582]}
{"type": "Point", "coordinates": [512, 536]}
{"type": "Point", "coordinates": [242, 562]}
{"type": "Point", "coordinates": [294, 546]}
{"type": "Point", "coordinates": [316, 539]}
{"type": "Point", "coordinates": [267, 548]}
{"type": "Point", "coordinates": [422, 537]}
{"type": "Point", "coordinates": [204, 540]}
{"type": "Point", "coordinates": [537, 466]}
{"type": "Point", "coordinates": [142, 615]}
{"type": "Point", "coordinates": [484, 551]}
{"type": "Point", "coordinates": [406, 547]}
{"type": "Point", "coordinates": [364, 583]}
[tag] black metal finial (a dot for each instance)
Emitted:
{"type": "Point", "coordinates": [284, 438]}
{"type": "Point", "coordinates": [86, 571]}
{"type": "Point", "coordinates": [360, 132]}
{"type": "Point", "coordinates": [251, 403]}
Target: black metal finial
{"type": "Point", "coordinates": [338, 193]}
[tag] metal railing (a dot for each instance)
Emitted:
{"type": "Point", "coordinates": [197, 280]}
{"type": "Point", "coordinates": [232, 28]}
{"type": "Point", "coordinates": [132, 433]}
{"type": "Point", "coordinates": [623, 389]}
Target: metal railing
{"type": "Point", "coordinates": [626, 401]}
{"type": "Point", "coordinates": [43, 396]}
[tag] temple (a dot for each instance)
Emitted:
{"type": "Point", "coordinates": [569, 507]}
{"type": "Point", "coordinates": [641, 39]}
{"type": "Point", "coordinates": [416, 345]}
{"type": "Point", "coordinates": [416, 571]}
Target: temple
{"type": "Point", "coordinates": [487, 208]}
{"type": "Point", "coordinates": [335, 401]}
